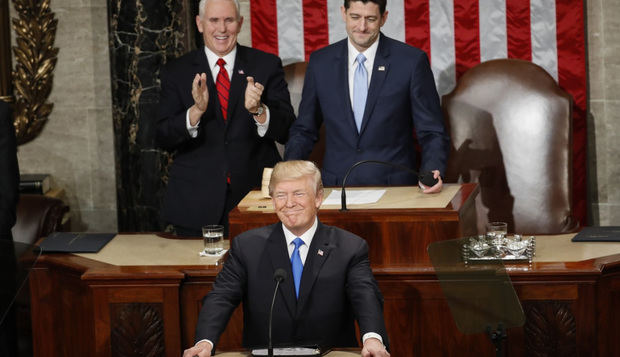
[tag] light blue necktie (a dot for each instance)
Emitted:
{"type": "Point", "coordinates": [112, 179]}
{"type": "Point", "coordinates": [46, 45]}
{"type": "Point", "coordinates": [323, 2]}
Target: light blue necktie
{"type": "Point", "coordinates": [298, 266]}
{"type": "Point", "coordinates": [360, 90]}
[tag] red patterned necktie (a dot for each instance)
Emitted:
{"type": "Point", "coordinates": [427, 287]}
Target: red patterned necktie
{"type": "Point", "coordinates": [223, 86]}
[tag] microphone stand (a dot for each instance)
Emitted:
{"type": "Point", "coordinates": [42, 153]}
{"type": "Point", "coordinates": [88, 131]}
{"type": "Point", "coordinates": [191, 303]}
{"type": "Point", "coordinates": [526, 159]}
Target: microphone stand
{"type": "Point", "coordinates": [278, 276]}
{"type": "Point", "coordinates": [343, 195]}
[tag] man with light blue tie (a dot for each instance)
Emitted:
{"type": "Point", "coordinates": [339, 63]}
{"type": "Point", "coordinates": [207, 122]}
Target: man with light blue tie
{"type": "Point", "coordinates": [372, 93]}
{"type": "Point", "coordinates": [328, 283]}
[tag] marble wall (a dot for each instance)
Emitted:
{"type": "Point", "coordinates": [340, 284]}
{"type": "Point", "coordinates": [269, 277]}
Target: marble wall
{"type": "Point", "coordinates": [604, 118]}
{"type": "Point", "coordinates": [77, 146]}
{"type": "Point", "coordinates": [95, 152]}
{"type": "Point", "coordinates": [144, 35]}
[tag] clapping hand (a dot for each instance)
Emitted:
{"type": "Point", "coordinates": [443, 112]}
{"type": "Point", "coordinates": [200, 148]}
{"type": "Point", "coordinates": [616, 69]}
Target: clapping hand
{"type": "Point", "coordinates": [253, 93]}
{"type": "Point", "coordinates": [201, 98]}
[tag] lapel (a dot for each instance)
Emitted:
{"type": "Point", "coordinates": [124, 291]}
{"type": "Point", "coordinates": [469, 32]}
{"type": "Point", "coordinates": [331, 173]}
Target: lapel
{"type": "Point", "coordinates": [202, 65]}
{"type": "Point", "coordinates": [342, 79]}
{"type": "Point", "coordinates": [237, 82]}
{"type": "Point", "coordinates": [278, 254]}
{"type": "Point", "coordinates": [377, 80]}
{"type": "Point", "coordinates": [317, 255]}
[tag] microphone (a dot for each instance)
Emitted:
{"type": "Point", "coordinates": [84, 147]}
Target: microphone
{"type": "Point", "coordinates": [279, 275]}
{"type": "Point", "coordinates": [427, 178]}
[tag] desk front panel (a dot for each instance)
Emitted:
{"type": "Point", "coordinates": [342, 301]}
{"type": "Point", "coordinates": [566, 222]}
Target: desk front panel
{"type": "Point", "coordinates": [81, 307]}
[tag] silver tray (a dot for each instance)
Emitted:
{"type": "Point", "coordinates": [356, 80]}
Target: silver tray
{"type": "Point", "coordinates": [515, 249]}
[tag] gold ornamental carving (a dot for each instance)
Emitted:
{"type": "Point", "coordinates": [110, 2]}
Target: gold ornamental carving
{"type": "Point", "coordinates": [35, 60]}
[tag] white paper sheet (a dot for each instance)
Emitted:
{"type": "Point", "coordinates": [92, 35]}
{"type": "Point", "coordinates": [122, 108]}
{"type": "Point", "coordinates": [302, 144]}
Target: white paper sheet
{"type": "Point", "coordinates": [289, 351]}
{"type": "Point", "coordinates": [355, 197]}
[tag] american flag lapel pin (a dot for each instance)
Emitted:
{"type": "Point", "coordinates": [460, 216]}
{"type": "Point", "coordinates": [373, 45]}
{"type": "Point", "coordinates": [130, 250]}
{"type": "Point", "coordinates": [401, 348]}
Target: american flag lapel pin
{"type": "Point", "coordinates": [381, 68]}
{"type": "Point", "coordinates": [240, 71]}
{"type": "Point", "coordinates": [320, 252]}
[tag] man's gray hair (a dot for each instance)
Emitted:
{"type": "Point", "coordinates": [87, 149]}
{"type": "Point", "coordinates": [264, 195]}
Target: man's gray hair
{"type": "Point", "coordinates": [201, 8]}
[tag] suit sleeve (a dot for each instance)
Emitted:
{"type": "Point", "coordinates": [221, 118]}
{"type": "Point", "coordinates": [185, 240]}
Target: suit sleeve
{"type": "Point", "coordinates": [171, 121]}
{"type": "Point", "coordinates": [305, 130]}
{"type": "Point", "coordinates": [221, 302]}
{"type": "Point", "coordinates": [428, 119]}
{"type": "Point", "coordinates": [9, 179]}
{"type": "Point", "coordinates": [276, 96]}
{"type": "Point", "coordinates": [365, 296]}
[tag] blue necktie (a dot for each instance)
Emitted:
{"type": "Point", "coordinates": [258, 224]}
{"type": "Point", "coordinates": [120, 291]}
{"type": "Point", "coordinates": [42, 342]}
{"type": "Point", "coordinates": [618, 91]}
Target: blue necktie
{"type": "Point", "coordinates": [298, 266]}
{"type": "Point", "coordinates": [360, 90]}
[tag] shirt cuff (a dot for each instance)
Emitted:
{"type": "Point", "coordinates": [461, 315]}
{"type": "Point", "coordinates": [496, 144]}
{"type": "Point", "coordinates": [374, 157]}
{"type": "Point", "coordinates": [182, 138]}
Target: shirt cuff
{"type": "Point", "coordinates": [192, 130]}
{"type": "Point", "coordinates": [368, 335]}
{"type": "Point", "coordinates": [205, 340]}
{"type": "Point", "coordinates": [261, 129]}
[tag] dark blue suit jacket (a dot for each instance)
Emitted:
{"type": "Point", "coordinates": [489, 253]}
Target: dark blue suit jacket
{"type": "Point", "coordinates": [197, 190]}
{"type": "Point", "coordinates": [402, 98]}
{"type": "Point", "coordinates": [337, 287]}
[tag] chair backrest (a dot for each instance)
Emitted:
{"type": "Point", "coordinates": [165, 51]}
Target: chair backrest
{"type": "Point", "coordinates": [510, 126]}
{"type": "Point", "coordinates": [37, 216]}
{"type": "Point", "coordinates": [294, 75]}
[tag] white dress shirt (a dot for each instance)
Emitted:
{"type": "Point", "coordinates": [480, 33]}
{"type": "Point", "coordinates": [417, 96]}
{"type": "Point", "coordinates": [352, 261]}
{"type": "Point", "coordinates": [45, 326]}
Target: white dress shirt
{"type": "Point", "coordinates": [229, 58]}
{"type": "Point", "coordinates": [370, 61]}
{"type": "Point", "coordinates": [306, 237]}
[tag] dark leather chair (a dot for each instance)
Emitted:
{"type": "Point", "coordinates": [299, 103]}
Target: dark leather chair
{"type": "Point", "coordinates": [37, 216]}
{"type": "Point", "coordinates": [510, 126]}
{"type": "Point", "coordinates": [294, 74]}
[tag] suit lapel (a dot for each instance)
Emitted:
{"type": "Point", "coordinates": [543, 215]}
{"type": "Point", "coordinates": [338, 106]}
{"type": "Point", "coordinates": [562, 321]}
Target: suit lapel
{"type": "Point", "coordinates": [317, 255]}
{"type": "Point", "coordinates": [278, 253]}
{"type": "Point", "coordinates": [379, 72]}
{"type": "Point", "coordinates": [237, 82]}
{"type": "Point", "coordinates": [342, 79]}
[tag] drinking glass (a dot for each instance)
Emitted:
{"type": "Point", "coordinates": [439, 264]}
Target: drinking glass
{"type": "Point", "coordinates": [497, 229]}
{"type": "Point", "coordinates": [517, 248]}
{"type": "Point", "coordinates": [213, 236]}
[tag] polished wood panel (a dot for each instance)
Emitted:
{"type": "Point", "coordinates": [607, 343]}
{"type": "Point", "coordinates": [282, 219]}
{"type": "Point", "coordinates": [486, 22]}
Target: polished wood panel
{"type": "Point", "coordinates": [84, 307]}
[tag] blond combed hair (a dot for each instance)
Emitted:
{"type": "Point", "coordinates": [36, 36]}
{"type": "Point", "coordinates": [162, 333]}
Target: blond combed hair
{"type": "Point", "coordinates": [293, 170]}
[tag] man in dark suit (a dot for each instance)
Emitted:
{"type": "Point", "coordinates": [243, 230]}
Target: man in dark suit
{"type": "Point", "coordinates": [370, 111]}
{"type": "Point", "coordinates": [9, 194]}
{"type": "Point", "coordinates": [9, 179]}
{"type": "Point", "coordinates": [222, 108]}
{"type": "Point", "coordinates": [328, 283]}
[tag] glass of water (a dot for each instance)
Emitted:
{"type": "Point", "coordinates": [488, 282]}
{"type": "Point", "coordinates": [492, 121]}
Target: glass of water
{"type": "Point", "coordinates": [497, 229]}
{"type": "Point", "coordinates": [213, 236]}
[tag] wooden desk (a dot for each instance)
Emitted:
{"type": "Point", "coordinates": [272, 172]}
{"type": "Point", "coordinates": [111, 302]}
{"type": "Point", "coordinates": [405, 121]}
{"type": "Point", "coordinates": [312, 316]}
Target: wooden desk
{"type": "Point", "coordinates": [83, 306]}
{"type": "Point", "coordinates": [330, 354]}
{"type": "Point", "coordinates": [396, 236]}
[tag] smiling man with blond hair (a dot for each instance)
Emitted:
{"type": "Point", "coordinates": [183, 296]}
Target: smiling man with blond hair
{"type": "Point", "coordinates": [328, 286]}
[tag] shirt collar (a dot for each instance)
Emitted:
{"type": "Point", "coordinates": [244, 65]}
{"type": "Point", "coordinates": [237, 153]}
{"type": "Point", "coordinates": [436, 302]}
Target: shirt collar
{"type": "Point", "coordinates": [306, 236]}
{"type": "Point", "coordinates": [229, 57]}
{"type": "Point", "coordinates": [369, 53]}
